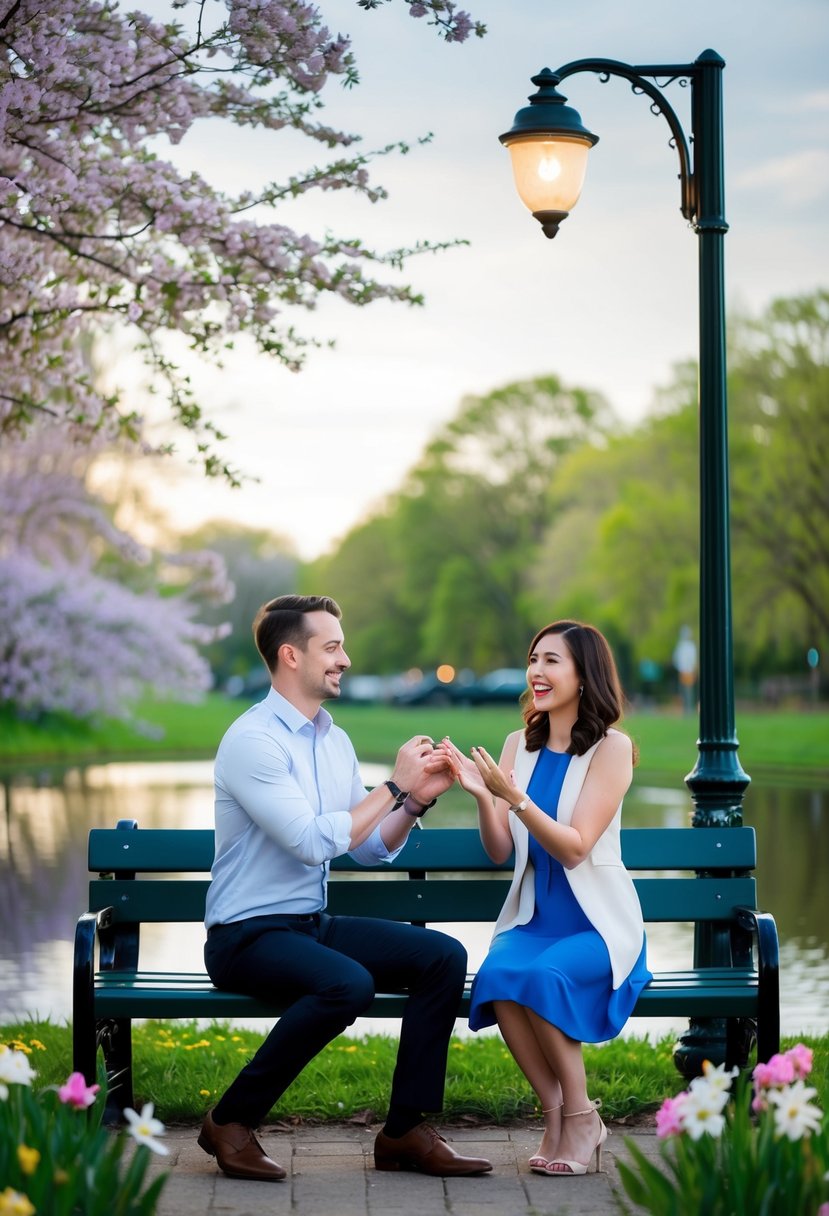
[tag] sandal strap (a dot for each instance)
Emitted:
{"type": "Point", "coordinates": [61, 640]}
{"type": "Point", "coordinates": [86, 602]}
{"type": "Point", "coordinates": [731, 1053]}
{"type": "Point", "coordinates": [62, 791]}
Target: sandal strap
{"type": "Point", "coordinates": [546, 1110]}
{"type": "Point", "coordinates": [572, 1114]}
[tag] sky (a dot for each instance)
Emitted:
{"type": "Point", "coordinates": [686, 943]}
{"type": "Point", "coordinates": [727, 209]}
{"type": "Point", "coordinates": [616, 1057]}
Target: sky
{"type": "Point", "coordinates": [609, 304]}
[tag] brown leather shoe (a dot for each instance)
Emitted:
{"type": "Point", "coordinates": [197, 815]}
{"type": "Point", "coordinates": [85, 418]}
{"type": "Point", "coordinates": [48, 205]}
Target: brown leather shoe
{"type": "Point", "coordinates": [238, 1152]}
{"type": "Point", "coordinates": [426, 1152]}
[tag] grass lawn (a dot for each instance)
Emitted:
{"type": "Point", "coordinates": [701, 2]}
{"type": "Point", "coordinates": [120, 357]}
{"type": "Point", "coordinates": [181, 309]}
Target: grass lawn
{"type": "Point", "coordinates": [182, 1068]}
{"type": "Point", "coordinates": [787, 744]}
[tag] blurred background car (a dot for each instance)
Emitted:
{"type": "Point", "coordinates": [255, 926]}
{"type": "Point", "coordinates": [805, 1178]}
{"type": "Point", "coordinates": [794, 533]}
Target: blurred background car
{"type": "Point", "coordinates": [503, 686]}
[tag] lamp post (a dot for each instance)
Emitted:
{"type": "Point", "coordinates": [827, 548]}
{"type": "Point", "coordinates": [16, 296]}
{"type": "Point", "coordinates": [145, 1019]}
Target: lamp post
{"type": "Point", "coordinates": [549, 146]}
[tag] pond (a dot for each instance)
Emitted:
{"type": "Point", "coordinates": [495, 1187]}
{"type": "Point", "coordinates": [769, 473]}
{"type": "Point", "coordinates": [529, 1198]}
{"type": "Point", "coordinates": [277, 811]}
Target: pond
{"type": "Point", "coordinates": [47, 814]}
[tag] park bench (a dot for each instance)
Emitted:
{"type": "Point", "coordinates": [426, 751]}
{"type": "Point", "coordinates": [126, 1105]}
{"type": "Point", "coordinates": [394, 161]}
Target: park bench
{"type": "Point", "coordinates": [702, 876]}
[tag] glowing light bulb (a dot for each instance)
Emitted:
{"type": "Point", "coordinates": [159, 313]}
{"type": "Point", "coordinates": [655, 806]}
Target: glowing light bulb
{"type": "Point", "coordinates": [549, 168]}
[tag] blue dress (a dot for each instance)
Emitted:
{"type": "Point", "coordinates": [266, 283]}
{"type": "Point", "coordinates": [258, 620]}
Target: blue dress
{"type": "Point", "coordinates": [557, 964]}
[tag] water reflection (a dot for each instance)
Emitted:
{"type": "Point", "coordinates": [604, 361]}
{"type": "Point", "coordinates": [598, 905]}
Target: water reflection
{"type": "Point", "coordinates": [46, 817]}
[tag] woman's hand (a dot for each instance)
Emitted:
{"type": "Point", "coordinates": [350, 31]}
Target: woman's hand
{"type": "Point", "coordinates": [465, 770]}
{"type": "Point", "coordinates": [494, 778]}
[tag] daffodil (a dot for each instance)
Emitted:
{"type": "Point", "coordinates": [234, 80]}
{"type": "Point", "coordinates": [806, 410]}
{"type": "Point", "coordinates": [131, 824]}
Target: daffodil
{"type": "Point", "coordinates": [794, 1115]}
{"type": "Point", "coordinates": [144, 1128]}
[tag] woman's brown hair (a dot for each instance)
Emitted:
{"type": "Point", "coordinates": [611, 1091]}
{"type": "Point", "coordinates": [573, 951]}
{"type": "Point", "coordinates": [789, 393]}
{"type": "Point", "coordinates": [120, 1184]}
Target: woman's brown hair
{"type": "Point", "coordinates": [601, 699]}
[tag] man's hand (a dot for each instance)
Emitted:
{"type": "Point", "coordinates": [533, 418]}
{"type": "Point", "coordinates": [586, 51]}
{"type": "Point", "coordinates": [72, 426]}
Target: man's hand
{"type": "Point", "coordinates": [438, 776]}
{"type": "Point", "coordinates": [412, 763]}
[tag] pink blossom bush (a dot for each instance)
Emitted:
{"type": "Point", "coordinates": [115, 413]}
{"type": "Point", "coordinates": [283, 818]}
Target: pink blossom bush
{"type": "Point", "coordinates": [98, 228]}
{"type": "Point", "coordinates": [90, 620]}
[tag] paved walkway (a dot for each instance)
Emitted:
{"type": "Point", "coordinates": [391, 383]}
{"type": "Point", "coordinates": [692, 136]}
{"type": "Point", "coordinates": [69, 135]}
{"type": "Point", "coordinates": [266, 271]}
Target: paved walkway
{"type": "Point", "coordinates": [331, 1173]}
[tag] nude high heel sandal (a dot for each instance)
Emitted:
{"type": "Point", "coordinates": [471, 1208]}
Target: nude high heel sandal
{"type": "Point", "coordinates": [571, 1168]}
{"type": "Point", "coordinates": [538, 1164]}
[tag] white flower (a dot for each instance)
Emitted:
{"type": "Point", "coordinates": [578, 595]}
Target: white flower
{"type": "Point", "coordinates": [716, 1077]}
{"type": "Point", "coordinates": [702, 1111]}
{"type": "Point", "coordinates": [15, 1068]}
{"type": "Point", "coordinates": [144, 1127]}
{"type": "Point", "coordinates": [710, 1090]}
{"type": "Point", "coordinates": [794, 1115]}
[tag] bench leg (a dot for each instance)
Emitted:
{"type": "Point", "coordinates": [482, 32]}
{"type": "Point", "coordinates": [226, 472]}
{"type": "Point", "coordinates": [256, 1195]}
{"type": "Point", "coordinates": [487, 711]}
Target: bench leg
{"type": "Point", "coordinates": [116, 1041]}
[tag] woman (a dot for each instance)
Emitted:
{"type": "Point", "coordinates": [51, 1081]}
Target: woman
{"type": "Point", "coordinates": [567, 960]}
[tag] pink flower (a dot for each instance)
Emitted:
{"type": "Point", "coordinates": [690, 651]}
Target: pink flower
{"type": "Point", "coordinates": [669, 1117]}
{"type": "Point", "coordinates": [780, 1070]}
{"type": "Point", "coordinates": [77, 1093]}
{"type": "Point", "coordinates": [801, 1057]}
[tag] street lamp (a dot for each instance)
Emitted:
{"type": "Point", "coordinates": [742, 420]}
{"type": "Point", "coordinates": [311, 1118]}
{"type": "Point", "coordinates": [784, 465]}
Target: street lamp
{"type": "Point", "coordinates": [549, 145]}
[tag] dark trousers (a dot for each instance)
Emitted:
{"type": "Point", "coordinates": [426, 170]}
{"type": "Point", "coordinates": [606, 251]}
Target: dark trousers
{"type": "Point", "coordinates": [329, 968]}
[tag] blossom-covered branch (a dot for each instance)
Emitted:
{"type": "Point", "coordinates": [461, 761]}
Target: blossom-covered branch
{"type": "Point", "coordinates": [97, 227]}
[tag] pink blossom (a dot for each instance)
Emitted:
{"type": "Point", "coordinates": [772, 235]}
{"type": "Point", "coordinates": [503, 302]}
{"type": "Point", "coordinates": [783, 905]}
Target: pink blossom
{"type": "Point", "coordinates": [780, 1070]}
{"type": "Point", "coordinates": [801, 1057]}
{"type": "Point", "coordinates": [77, 1093]}
{"type": "Point", "coordinates": [669, 1116]}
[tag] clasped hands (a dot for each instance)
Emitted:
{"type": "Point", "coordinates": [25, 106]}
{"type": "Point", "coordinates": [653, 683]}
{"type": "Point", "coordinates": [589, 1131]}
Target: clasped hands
{"type": "Point", "coordinates": [428, 769]}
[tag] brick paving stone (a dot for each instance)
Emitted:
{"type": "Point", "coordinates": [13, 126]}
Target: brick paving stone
{"type": "Point", "coordinates": [331, 1174]}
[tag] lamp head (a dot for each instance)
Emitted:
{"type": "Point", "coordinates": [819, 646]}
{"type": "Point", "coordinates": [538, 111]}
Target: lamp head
{"type": "Point", "coordinates": [548, 145]}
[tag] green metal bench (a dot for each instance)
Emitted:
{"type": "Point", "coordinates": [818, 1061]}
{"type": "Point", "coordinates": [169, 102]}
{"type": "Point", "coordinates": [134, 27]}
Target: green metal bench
{"type": "Point", "coordinates": [704, 877]}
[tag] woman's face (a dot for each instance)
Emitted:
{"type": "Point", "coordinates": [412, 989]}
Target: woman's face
{"type": "Point", "coordinates": [552, 674]}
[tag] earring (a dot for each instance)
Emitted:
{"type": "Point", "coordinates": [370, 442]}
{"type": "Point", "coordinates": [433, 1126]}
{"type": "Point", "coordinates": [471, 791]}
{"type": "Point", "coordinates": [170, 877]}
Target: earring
{"type": "Point", "coordinates": [581, 689]}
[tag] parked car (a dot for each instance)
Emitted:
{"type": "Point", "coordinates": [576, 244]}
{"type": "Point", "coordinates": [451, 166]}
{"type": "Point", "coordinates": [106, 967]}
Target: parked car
{"type": "Point", "coordinates": [427, 690]}
{"type": "Point", "coordinates": [503, 686]}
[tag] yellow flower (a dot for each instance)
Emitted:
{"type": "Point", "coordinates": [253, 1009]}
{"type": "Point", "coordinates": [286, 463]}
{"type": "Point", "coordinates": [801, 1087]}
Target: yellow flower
{"type": "Point", "coordinates": [204, 1093]}
{"type": "Point", "coordinates": [220, 1038]}
{"type": "Point", "coordinates": [60, 1177]}
{"type": "Point", "coordinates": [12, 1203]}
{"type": "Point", "coordinates": [28, 1158]}
{"type": "Point", "coordinates": [37, 1043]}
{"type": "Point", "coordinates": [458, 1047]}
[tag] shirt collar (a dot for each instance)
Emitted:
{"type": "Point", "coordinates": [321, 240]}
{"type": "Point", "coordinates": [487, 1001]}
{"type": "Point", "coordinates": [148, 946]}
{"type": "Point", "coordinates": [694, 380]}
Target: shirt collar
{"type": "Point", "coordinates": [293, 718]}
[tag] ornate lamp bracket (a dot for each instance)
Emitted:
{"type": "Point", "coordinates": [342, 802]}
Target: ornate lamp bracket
{"type": "Point", "coordinates": [662, 75]}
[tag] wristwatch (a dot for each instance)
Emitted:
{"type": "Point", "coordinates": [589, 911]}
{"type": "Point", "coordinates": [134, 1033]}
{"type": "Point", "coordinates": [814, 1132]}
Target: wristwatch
{"type": "Point", "coordinates": [397, 794]}
{"type": "Point", "coordinates": [520, 806]}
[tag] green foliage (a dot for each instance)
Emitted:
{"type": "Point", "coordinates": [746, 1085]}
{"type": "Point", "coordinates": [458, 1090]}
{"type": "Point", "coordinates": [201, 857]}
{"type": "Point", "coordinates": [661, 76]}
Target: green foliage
{"type": "Point", "coordinates": [534, 503]}
{"type": "Point", "coordinates": [441, 574]}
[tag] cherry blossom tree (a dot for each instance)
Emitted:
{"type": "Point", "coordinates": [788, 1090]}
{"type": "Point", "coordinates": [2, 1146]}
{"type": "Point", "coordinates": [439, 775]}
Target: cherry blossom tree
{"type": "Point", "coordinates": [90, 619]}
{"type": "Point", "coordinates": [97, 228]}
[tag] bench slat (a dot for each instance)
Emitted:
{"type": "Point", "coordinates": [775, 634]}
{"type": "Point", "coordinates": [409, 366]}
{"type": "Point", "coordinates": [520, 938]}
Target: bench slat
{"type": "Point", "coordinates": [165, 850]}
{"type": "Point", "coordinates": [160, 901]}
{"type": "Point", "coordinates": [722, 992]}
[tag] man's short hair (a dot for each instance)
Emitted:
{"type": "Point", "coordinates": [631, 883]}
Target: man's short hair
{"type": "Point", "coordinates": [283, 620]}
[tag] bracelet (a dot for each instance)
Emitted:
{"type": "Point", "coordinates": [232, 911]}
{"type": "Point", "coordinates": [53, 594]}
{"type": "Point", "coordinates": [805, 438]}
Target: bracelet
{"type": "Point", "coordinates": [423, 809]}
{"type": "Point", "coordinates": [521, 806]}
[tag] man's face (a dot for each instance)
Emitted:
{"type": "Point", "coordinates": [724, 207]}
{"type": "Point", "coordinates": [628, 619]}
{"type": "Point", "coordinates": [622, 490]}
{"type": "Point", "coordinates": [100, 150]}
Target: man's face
{"type": "Point", "coordinates": [323, 660]}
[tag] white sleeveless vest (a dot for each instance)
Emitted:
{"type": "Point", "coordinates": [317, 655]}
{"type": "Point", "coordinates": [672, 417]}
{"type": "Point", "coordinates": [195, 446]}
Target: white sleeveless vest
{"type": "Point", "coordinates": [601, 884]}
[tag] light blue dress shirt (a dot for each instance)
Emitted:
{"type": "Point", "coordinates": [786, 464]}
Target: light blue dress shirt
{"type": "Point", "coordinates": [284, 786]}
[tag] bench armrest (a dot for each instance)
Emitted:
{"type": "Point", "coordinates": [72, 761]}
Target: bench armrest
{"type": "Point", "coordinates": [89, 930]}
{"type": "Point", "coordinates": [763, 929]}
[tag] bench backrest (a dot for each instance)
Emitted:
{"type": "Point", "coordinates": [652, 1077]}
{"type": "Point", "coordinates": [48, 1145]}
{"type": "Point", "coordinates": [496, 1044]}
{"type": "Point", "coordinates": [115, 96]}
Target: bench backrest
{"type": "Point", "coordinates": [704, 874]}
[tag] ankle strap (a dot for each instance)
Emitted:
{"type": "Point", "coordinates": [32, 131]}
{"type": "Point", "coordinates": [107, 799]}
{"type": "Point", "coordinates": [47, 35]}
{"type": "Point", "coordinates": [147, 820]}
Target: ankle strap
{"type": "Point", "coordinates": [593, 1107]}
{"type": "Point", "coordinates": [546, 1110]}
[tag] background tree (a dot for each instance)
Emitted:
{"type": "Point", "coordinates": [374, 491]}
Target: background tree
{"type": "Point", "coordinates": [780, 407]}
{"type": "Point", "coordinates": [89, 618]}
{"type": "Point", "coordinates": [97, 228]}
{"type": "Point", "coordinates": [260, 565]}
{"type": "Point", "coordinates": [443, 575]}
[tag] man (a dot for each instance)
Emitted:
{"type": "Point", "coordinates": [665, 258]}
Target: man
{"type": "Point", "coordinates": [289, 799]}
